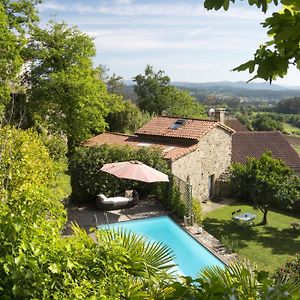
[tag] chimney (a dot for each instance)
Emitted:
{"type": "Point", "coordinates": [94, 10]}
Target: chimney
{"type": "Point", "coordinates": [220, 115]}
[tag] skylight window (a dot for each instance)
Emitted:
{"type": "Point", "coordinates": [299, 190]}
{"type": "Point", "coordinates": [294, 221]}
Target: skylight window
{"type": "Point", "coordinates": [178, 124]}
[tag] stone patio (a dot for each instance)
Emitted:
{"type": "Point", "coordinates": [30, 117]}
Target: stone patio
{"type": "Point", "coordinates": [90, 217]}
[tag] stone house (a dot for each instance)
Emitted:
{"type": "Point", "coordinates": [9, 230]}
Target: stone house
{"type": "Point", "coordinates": [198, 151]}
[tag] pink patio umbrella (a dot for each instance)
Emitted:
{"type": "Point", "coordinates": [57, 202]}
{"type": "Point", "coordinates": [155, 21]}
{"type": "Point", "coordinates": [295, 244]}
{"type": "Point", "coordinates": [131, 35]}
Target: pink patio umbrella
{"type": "Point", "coordinates": [135, 170]}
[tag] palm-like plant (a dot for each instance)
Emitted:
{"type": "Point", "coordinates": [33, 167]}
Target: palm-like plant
{"type": "Point", "coordinates": [144, 258]}
{"type": "Point", "coordinates": [238, 281]}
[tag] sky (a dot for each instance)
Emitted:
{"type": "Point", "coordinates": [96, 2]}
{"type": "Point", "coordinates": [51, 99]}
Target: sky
{"type": "Point", "coordinates": [178, 36]}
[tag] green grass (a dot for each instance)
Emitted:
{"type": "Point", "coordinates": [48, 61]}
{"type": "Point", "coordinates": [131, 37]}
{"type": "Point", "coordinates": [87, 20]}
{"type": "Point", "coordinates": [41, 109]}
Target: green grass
{"type": "Point", "coordinates": [268, 246]}
{"type": "Point", "coordinates": [297, 148]}
{"type": "Point", "coordinates": [294, 140]}
{"type": "Point", "coordinates": [287, 127]}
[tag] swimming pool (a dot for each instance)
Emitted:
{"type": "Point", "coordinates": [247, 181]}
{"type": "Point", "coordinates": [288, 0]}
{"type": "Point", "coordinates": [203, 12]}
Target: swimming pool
{"type": "Point", "coordinates": [191, 256]}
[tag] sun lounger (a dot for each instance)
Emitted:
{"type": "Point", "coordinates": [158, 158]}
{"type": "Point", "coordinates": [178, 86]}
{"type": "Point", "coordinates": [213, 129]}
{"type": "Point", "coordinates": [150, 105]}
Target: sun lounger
{"type": "Point", "coordinates": [108, 203]}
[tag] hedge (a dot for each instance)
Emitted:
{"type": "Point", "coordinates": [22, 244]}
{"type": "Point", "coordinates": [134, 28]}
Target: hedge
{"type": "Point", "coordinates": [88, 180]}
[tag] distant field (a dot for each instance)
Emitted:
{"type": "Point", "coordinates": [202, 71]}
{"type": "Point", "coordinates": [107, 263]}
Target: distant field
{"type": "Point", "coordinates": [287, 127]}
{"type": "Point", "coordinates": [294, 140]}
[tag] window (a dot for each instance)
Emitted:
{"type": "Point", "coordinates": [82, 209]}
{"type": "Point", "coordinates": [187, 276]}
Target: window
{"type": "Point", "coordinates": [178, 124]}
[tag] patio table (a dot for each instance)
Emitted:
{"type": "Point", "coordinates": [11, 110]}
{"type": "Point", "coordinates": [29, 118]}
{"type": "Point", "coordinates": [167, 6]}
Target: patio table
{"type": "Point", "coordinates": [244, 218]}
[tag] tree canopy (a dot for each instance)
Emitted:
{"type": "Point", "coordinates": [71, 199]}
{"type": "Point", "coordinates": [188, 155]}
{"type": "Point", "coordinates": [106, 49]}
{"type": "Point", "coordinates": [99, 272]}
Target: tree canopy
{"type": "Point", "coordinates": [156, 95]}
{"type": "Point", "coordinates": [65, 89]}
{"type": "Point", "coordinates": [289, 106]}
{"type": "Point", "coordinates": [128, 119]}
{"type": "Point", "coordinates": [266, 181]}
{"type": "Point", "coordinates": [266, 123]}
{"type": "Point", "coordinates": [152, 90]}
{"type": "Point", "coordinates": [15, 19]}
{"type": "Point", "coordinates": [273, 58]}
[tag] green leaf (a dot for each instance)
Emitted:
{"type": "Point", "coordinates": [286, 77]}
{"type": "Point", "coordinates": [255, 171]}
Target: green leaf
{"type": "Point", "coordinates": [226, 4]}
{"type": "Point", "coordinates": [54, 268]}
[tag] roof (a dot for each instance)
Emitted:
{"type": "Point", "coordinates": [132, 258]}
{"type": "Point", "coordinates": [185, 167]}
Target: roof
{"type": "Point", "coordinates": [170, 151]}
{"type": "Point", "coordinates": [191, 129]}
{"type": "Point", "coordinates": [255, 143]}
{"type": "Point", "coordinates": [236, 125]}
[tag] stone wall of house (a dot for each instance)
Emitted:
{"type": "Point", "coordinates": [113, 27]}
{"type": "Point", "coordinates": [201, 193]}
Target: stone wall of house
{"type": "Point", "coordinates": [212, 158]}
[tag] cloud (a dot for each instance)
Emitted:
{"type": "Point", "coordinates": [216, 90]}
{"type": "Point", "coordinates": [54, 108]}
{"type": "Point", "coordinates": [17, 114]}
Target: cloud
{"type": "Point", "coordinates": [52, 6]}
{"type": "Point", "coordinates": [123, 2]}
{"type": "Point", "coordinates": [128, 8]}
{"type": "Point", "coordinates": [146, 39]}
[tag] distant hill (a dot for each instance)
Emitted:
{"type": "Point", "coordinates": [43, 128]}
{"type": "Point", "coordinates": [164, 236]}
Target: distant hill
{"type": "Point", "coordinates": [251, 90]}
{"type": "Point", "coordinates": [230, 84]}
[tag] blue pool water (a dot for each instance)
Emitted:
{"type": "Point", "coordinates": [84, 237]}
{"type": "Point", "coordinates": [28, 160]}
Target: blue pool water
{"type": "Point", "coordinates": [191, 256]}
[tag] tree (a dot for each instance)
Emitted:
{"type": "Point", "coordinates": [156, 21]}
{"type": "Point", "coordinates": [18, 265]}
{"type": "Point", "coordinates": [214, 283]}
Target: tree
{"type": "Point", "coordinates": [127, 120]}
{"type": "Point", "coordinates": [265, 123]}
{"type": "Point", "coordinates": [155, 95]}
{"type": "Point", "coordinates": [183, 105]}
{"type": "Point", "coordinates": [114, 83]}
{"type": "Point", "coordinates": [262, 181]}
{"type": "Point", "coordinates": [10, 59]}
{"type": "Point", "coordinates": [65, 90]}
{"type": "Point", "coordinates": [152, 90]}
{"type": "Point", "coordinates": [273, 58]}
{"type": "Point", "coordinates": [289, 106]}
{"type": "Point", "coordinates": [15, 19]}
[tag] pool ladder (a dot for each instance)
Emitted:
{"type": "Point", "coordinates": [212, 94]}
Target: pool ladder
{"type": "Point", "coordinates": [106, 217]}
{"type": "Point", "coordinates": [96, 219]}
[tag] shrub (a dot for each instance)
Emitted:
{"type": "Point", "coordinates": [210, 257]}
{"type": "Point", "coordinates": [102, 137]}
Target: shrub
{"type": "Point", "coordinates": [56, 146]}
{"type": "Point", "coordinates": [230, 244]}
{"type": "Point", "coordinates": [290, 270]}
{"type": "Point", "coordinates": [88, 180]}
{"type": "Point", "coordinates": [27, 174]}
{"type": "Point", "coordinates": [197, 211]}
{"type": "Point", "coordinates": [176, 203]}
{"type": "Point", "coordinates": [37, 262]}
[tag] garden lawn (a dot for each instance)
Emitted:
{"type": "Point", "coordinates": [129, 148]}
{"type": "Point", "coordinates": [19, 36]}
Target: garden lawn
{"type": "Point", "coordinates": [268, 246]}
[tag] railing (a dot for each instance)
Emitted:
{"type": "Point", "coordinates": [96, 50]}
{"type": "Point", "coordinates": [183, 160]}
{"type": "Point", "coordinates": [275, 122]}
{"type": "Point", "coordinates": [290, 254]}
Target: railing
{"type": "Point", "coordinates": [185, 189]}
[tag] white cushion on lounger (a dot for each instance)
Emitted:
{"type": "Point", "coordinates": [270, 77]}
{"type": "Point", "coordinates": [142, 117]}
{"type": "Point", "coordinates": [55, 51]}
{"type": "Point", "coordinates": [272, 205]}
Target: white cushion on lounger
{"type": "Point", "coordinates": [112, 200]}
{"type": "Point", "coordinates": [102, 196]}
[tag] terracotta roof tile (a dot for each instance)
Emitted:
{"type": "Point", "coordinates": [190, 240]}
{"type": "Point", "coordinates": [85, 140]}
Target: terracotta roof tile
{"type": "Point", "coordinates": [255, 143]}
{"type": "Point", "coordinates": [236, 125]}
{"type": "Point", "coordinates": [110, 138]}
{"type": "Point", "coordinates": [192, 129]}
{"type": "Point", "coordinates": [170, 151]}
